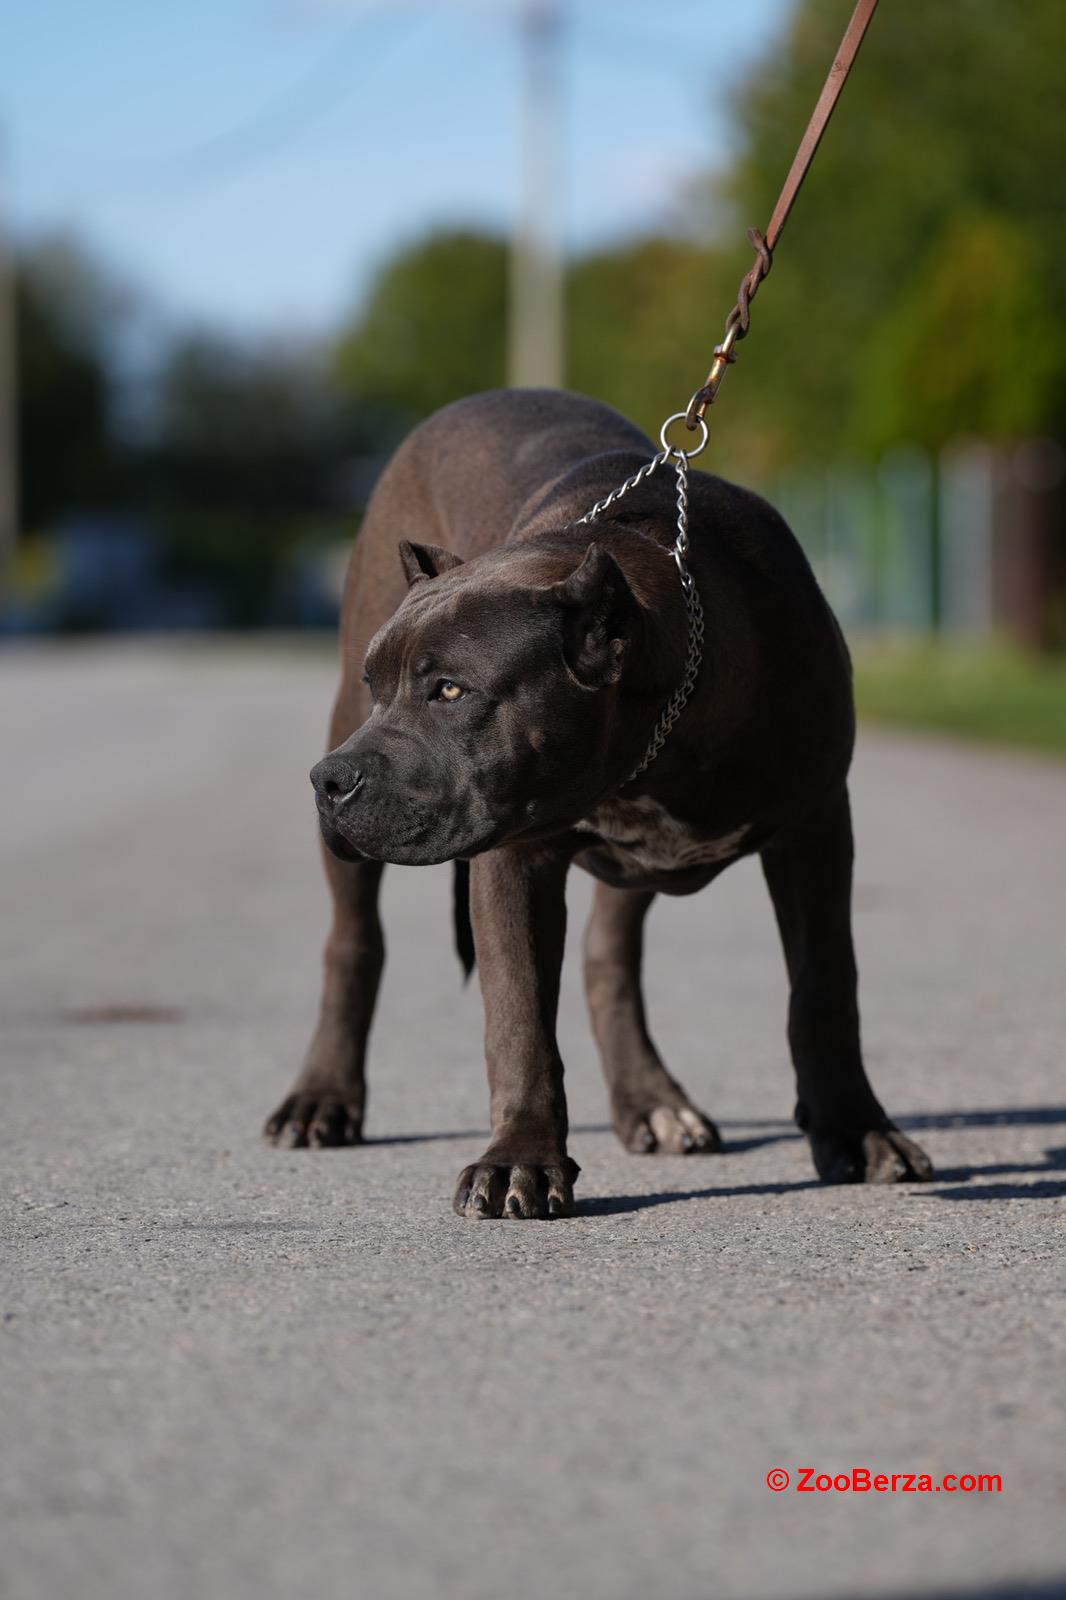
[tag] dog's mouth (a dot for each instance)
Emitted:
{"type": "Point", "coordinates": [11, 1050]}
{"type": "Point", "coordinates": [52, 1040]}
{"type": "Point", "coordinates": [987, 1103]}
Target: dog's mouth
{"type": "Point", "coordinates": [336, 842]}
{"type": "Point", "coordinates": [422, 847]}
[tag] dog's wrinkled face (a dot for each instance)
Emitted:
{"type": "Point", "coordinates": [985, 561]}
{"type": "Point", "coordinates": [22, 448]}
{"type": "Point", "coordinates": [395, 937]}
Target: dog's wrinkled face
{"type": "Point", "coordinates": [493, 686]}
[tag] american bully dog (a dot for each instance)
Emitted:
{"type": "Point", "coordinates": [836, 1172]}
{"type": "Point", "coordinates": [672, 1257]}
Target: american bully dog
{"type": "Point", "coordinates": [504, 672]}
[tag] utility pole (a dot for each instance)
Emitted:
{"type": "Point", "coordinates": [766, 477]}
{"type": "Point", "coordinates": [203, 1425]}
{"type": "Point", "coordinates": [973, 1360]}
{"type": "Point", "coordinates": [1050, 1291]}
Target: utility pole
{"type": "Point", "coordinates": [535, 333]}
{"type": "Point", "coordinates": [8, 412]}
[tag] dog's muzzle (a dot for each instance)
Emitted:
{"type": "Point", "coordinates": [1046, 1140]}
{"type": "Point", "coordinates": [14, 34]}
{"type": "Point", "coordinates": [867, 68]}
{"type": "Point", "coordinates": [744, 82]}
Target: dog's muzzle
{"type": "Point", "coordinates": [337, 781]}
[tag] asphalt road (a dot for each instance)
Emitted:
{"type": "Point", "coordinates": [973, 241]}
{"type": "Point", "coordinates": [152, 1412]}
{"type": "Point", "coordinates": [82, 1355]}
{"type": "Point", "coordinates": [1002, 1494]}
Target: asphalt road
{"type": "Point", "coordinates": [230, 1371]}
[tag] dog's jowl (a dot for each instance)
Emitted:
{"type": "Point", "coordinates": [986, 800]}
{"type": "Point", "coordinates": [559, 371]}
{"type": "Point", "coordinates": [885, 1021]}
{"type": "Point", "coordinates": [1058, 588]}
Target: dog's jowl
{"type": "Point", "coordinates": [504, 672]}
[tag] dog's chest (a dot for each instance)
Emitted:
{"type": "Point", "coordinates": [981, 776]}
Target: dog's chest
{"type": "Point", "coordinates": [641, 835]}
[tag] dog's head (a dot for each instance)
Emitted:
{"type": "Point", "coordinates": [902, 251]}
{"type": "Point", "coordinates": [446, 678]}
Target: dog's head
{"type": "Point", "coordinates": [494, 688]}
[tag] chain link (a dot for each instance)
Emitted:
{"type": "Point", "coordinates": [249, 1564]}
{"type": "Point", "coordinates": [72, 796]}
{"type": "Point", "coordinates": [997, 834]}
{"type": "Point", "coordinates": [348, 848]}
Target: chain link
{"type": "Point", "coordinates": [737, 324]}
{"type": "Point", "coordinates": [623, 488]}
{"type": "Point", "coordinates": [693, 607]}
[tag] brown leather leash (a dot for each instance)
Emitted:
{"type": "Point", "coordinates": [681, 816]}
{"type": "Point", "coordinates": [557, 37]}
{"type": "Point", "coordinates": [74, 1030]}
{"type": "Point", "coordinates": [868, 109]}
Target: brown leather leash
{"type": "Point", "coordinates": [725, 353]}
{"type": "Point", "coordinates": [736, 324]}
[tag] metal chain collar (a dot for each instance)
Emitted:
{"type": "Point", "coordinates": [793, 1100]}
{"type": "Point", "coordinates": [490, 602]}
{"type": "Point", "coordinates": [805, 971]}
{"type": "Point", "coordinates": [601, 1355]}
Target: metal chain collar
{"type": "Point", "coordinates": [679, 550]}
{"type": "Point", "coordinates": [737, 324]}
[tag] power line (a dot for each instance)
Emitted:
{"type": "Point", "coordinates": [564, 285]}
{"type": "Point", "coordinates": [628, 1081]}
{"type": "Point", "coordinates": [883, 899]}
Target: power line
{"type": "Point", "coordinates": [285, 115]}
{"type": "Point", "coordinates": [281, 118]}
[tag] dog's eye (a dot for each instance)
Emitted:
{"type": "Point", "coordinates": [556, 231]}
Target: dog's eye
{"type": "Point", "coordinates": [447, 690]}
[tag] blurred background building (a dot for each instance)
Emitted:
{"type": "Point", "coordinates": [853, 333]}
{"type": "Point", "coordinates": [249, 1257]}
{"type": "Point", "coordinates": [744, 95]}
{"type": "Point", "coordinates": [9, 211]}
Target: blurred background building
{"type": "Point", "coordinates": [247, 246]}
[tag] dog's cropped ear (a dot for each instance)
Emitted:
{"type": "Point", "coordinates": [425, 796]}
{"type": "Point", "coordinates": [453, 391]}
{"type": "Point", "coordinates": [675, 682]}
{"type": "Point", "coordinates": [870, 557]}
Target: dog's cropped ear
{"type": "Point", "coordinates": [426, 560]}
{"type": "Point", "coordinates": [598, 616]}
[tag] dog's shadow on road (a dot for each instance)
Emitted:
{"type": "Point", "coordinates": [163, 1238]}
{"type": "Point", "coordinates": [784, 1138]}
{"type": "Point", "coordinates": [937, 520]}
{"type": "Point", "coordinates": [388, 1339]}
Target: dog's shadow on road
{"type": "Point", "coordinates": [1040, 1188]}
{"type": "Point", "coordinates": [610, 1205]}
{"type": "Point", "coordinates": [733, 1146]}
{"type": "Point", "coordinates": [957, 1179]}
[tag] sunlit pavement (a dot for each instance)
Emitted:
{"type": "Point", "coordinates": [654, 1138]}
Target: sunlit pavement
{"type": "Point", "coordinates": [232, 1371]}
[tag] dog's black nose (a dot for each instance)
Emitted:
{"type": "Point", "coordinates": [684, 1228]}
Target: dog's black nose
{"type": "Point", "coordinates": [336, 781]}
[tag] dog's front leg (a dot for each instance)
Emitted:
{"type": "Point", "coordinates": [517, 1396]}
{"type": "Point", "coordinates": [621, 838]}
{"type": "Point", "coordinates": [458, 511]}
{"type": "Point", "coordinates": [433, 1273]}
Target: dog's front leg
{"type": "Point", "coordinates": [518, 907]}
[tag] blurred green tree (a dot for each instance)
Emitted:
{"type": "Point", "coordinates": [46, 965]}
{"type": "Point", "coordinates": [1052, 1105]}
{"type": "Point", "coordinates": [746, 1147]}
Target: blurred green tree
{"type": "Point", "coordinates": [916, 296]}
{"type": "Point", "coordinates": [945, 162]}
{"type": "Point", "coordinates": [432, 329]}
{"type": "Point", "coordinates": [65, 308]}
{"type": "Point", "coordinates": [433, 326]}
{"type": "Point", "coordinates": [937, 370]}
{"type": "Point", "coordinates": [640, 321]}
{"type": "Point", "coordinates": [240, 425]}
{"type": "Point", "coordinates": [244, 460]}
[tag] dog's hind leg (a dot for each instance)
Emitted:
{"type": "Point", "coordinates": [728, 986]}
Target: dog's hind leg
{"type": "Point", "coordinates": [650, 1110]}
{"type": "Point", "coordinates": [808, 868]}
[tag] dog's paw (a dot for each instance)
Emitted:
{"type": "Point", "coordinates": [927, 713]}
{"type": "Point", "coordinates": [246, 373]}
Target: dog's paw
{"type": "Point", "coordinates": [488, 1190]}
{"type": "Point", "coordinates": [666, 1130]}
{"type": "Point", "coordinates": [879, 1156]}
{"type": "Point", "coordinates": [318, 1120]}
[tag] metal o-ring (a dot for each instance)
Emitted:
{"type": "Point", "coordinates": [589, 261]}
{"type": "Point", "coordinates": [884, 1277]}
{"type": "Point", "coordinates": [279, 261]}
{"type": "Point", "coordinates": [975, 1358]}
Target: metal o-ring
{"type": "Point", "coordinates": [675, 449]}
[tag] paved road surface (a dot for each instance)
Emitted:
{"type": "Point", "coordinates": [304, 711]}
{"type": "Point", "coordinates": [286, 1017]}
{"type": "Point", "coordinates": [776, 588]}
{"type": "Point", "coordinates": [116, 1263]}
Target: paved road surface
{"type": "Point", "coordinates": [235, 1372]}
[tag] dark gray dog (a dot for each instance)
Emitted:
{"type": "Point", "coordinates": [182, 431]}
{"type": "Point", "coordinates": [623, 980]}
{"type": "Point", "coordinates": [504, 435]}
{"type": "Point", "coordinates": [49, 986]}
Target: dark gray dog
{"type": "Point", "coordinates": [503, 679]}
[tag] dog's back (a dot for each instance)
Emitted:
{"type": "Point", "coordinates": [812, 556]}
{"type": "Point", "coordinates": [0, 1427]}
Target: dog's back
{"type": "Point", "coordinates": [516, 444]}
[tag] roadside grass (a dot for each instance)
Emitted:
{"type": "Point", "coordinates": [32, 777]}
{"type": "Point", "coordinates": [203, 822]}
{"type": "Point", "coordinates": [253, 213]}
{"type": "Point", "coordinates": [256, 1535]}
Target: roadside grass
{"type": "Point", "coordinates": [988, 693]}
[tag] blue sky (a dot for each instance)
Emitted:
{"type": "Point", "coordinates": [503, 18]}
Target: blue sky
{"type": "Point", "coordinates": [248, 163]}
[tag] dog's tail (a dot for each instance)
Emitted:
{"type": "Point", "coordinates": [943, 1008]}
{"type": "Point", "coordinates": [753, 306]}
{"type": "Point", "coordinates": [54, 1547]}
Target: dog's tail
{"type": "Point", "coordinates": [464, 932]}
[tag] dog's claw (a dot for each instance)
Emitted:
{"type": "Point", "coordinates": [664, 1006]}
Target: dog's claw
{"type": "Point", "coordinates": [276, 1123]}
{"type": "Point", "coordinates": [516, 1192]}
{"type": "Point", "coordinates": [880, 1156]}
{"type": "Point", "coordinates": [670, 1130]}
{"type": "Point", "coordinates": [315, 1120]}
